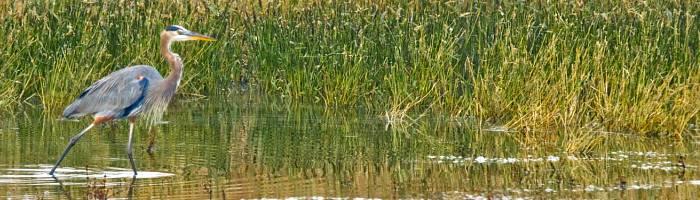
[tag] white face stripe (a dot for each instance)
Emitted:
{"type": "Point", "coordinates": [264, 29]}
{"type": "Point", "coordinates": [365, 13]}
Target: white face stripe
{"type": "Point", "coordinates": [181, 38]}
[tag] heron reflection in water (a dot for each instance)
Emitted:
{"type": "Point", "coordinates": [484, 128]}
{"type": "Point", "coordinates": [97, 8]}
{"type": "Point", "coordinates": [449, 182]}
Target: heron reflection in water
{"type": "Point", "coordinates": [131, 92]}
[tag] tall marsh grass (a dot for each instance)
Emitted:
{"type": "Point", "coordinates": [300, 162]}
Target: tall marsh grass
{"type": "Point", "coordinates": [623, 66]}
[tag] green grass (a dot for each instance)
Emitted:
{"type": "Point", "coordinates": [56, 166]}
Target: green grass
{"type": "Point", "coordinates": [531, 65]}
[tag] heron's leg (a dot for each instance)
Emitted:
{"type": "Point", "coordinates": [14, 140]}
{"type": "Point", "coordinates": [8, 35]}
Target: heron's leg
{"type": "Point", "coordinates": [130, 193]}
{"type": "Point", "coordinates": [128, 146]}
{"type": "Point", "coordinates": [72, 142]}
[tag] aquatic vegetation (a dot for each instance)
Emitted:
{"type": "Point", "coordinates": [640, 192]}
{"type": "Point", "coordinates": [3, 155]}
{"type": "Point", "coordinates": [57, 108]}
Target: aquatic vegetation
{"type": "Point", "coordinates": [628, 66]}
{"type": "Point", "coordinates": [97, 189]}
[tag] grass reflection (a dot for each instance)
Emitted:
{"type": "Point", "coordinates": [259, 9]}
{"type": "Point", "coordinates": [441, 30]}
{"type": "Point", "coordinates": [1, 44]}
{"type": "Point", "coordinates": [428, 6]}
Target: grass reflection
{"type": "Point", "coordinates": [230, 148]}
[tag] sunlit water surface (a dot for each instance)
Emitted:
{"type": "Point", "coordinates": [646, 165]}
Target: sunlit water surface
{"type": "Point", "coordinates": [222, 148]}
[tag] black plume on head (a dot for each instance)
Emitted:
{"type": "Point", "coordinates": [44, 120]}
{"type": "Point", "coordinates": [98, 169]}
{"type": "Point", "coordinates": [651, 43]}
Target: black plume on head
{"type": "Point", "coordinates": [173, 28]}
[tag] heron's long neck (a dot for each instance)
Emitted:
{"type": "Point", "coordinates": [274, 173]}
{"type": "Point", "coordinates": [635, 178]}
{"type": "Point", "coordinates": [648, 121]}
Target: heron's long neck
{"type": "Point", "coordinates": [173, 79]}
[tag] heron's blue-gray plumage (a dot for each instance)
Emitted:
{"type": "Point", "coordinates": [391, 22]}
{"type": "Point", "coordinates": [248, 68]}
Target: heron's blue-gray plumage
{"type": "Point", "coordinates": [133, 91]}
{"type": "Point", "coordinates": [135, 107]}
{"type": "Point", "coordinates": [119, 92]}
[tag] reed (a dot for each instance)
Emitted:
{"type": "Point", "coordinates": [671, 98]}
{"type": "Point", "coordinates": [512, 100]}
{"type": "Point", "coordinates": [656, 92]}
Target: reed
{"type": "Point", "coordinates": [628, 66]}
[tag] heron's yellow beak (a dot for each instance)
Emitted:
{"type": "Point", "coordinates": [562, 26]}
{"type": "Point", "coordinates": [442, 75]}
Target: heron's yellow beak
{"type": "Point", "coordinates": [197, 36]}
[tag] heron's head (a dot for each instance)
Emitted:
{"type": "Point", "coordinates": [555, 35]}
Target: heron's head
{"type": "Point", "coordinates": [179, 33]}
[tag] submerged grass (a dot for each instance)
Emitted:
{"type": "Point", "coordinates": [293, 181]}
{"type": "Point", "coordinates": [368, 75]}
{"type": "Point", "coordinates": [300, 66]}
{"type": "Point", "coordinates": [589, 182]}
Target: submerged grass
{"type": "Point", "coordinates": [628, 66]}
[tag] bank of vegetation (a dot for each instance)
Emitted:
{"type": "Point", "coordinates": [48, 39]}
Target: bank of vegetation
{"type": "Point", "coordinates": [618, 66]}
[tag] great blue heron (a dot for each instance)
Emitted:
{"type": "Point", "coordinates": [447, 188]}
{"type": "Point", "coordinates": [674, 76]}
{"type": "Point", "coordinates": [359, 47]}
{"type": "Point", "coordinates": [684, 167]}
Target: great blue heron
{"type": "Point", "coordinates": [129, 92]}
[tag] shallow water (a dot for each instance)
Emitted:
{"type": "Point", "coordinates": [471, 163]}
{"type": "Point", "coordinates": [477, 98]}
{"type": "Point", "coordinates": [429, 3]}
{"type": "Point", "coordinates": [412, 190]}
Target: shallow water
{"type": "Point", "coordinates": [228, 148]}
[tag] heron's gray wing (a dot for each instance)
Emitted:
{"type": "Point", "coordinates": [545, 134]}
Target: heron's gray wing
{"type": "Point", "coordinates": [114, 93]}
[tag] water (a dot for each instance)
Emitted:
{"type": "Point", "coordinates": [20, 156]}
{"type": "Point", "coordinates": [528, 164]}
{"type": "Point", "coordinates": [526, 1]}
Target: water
{"type": "Point", "coordinates": [241, 148]}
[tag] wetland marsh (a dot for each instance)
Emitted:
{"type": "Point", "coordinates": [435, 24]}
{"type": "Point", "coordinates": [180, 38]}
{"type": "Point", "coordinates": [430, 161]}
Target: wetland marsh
{"type": "Point", "coordinates": [363, 99]}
